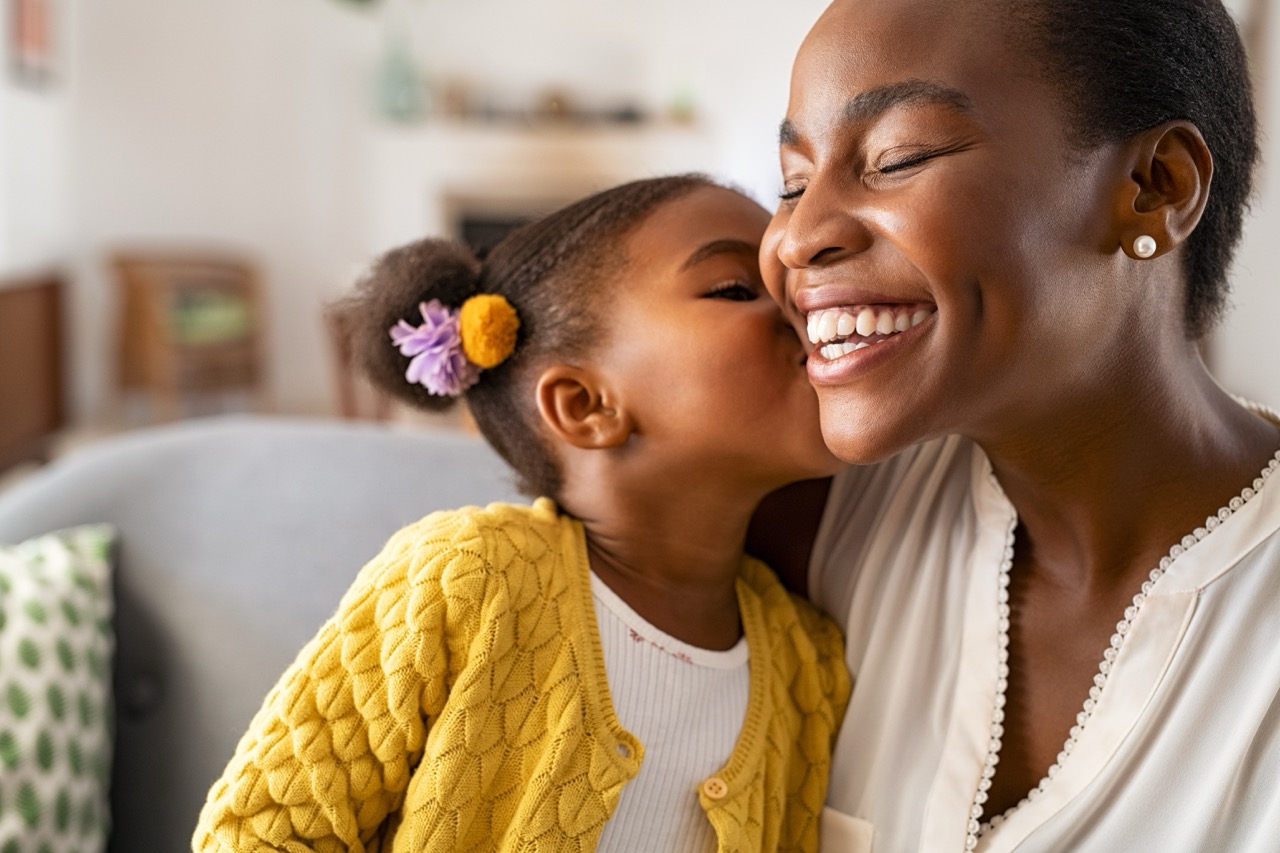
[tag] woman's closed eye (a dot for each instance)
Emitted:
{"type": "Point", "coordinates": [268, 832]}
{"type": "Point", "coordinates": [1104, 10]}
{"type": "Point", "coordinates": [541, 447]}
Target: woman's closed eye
{"type": "Point", "coordinates": [905, 162]}
{"type": "Point", "coordinates": [897, 160]}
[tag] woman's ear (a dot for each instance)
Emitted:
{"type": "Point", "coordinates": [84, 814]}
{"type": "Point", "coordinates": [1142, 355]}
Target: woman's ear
{"type": "Point", "coordinates": [1170, 169]}
{"type": "Point", "coordinates": [578, 407]}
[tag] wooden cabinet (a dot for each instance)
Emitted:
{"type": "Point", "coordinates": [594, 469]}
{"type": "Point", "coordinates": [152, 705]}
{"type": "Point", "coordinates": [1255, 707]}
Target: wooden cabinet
{"type": "Point", "coordinates": [188, 324]}
{"type": "Point", "coordinates": [31, 367]}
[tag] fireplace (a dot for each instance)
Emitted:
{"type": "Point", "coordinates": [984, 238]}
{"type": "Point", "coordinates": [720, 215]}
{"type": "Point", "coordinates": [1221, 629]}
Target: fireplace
{"type": "Point", "coordinates": [481, 221]}
{"type": "Point", "coordinates": [475, 181]}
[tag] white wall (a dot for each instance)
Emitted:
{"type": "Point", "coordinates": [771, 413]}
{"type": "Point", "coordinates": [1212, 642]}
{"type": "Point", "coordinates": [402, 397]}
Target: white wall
{"type": "Point", "coordinates": [226, 124]}
{"type": "Point", "coordinates": [1246, 350]}
{"type": "Point", "coordinates": [243, 124]}
{"type": "Point", "coordinates": [35, 174]}
{"type": "Point", "coordinates": [734, 55]}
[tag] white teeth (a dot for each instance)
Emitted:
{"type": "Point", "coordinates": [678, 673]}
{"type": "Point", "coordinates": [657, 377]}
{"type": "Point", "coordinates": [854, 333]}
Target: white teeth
{"type": "Point", "coordinates": [866, 322]}
{"type": "Point", "coordinates": [827, 326]}
{"type": "Point", "coordinates": [833, 351]}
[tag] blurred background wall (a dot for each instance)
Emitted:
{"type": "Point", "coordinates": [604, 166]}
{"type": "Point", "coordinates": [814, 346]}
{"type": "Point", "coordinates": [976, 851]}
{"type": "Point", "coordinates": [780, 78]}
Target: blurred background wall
{"type": "Point", "coordinates": [1245, 353]}
{"type": "Point", "coordinates": [311, 134]}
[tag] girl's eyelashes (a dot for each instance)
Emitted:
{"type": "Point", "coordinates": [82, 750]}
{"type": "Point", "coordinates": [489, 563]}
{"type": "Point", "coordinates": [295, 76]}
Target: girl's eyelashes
{"type": "Point", "coordinates": [790, 193]}
{"type": "Point", "coordinates": [736, 291]}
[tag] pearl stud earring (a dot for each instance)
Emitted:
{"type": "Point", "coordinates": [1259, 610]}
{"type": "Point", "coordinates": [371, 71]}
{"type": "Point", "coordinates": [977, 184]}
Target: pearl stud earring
{"type": "Point", "coordinates": [1144, 246]}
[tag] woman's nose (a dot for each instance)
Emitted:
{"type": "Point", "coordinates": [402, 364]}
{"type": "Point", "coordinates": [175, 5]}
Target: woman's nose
{"type": "Point", "coordinates": [821, 227]}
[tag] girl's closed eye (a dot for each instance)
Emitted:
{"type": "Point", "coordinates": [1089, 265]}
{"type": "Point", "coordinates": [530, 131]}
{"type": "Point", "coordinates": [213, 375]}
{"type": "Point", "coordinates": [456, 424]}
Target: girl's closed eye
{"type": "Point", "coordinates": [790, 193]}
{"type": "Point", "coordinates": [737, 291]}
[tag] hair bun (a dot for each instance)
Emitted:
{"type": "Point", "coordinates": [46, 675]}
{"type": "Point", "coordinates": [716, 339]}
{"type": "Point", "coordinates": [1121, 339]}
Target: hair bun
{"type": "Point", "coordinates": [392, 290]}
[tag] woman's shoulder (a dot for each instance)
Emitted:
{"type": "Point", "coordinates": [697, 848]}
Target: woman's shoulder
{"type": "Point", "coordinates": [881, 519]}
{"type": "Point", "coordinates": [875, 495]}
{"type": "Point", "coordinates": [919, 466]}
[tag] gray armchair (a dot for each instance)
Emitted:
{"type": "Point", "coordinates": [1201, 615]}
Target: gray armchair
{"type": "Point", "coordinates": [238, 536]}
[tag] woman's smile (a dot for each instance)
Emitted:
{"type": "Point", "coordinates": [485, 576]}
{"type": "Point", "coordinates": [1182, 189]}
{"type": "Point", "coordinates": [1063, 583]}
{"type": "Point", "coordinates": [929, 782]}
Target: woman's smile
{"type": "Point", "coordinates": [837, 332]}
{"type": "Point", "coordinates": [838, 362]}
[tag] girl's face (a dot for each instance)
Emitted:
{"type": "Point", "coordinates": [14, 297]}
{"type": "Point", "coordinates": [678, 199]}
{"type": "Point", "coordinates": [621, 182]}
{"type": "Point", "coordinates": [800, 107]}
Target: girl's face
{"type": "Point", "coordinates": [706, 362]}
{"type": "Point", "coordinates": [944, 249]}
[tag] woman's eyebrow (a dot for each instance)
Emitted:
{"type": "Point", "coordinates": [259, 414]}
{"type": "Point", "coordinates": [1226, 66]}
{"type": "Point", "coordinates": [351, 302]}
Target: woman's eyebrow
{"type": "Point", "coordinates": [874, 102]}
{"type": "Point", "coordinates": [719, 247]}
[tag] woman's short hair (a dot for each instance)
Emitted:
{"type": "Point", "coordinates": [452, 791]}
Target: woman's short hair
{"type": "Point", "coordinates": [1124, 66]}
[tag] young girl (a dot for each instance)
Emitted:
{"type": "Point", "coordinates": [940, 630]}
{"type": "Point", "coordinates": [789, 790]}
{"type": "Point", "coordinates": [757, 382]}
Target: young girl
{"type": "Point", "coordinates": [604, 669]}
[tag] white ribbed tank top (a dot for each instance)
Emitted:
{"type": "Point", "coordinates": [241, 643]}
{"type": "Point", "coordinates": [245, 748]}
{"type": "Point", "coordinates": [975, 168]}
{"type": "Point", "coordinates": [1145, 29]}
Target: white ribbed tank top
{"type": "Point", "coordinates": [686, 705]}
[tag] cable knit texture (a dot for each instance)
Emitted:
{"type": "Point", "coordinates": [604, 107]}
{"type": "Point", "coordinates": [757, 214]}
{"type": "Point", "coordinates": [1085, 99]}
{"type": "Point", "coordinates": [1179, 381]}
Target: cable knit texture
{"type": "Point", "coordinates": [457, 701]}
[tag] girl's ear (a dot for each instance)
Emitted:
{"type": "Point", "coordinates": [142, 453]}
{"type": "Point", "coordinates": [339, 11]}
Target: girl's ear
{"type": "Point", "coordinates": [581, 410]}
{"type": "Point", "coordinates": [1170, 168]}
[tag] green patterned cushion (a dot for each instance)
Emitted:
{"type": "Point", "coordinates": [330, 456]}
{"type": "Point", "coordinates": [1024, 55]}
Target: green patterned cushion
{"type": "Point", "coordinates": [55, 691]}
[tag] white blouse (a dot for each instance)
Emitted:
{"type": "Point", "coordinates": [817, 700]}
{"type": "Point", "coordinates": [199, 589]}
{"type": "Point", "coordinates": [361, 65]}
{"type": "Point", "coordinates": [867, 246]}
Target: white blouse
{"type": "Point", "coordinates": [1181, 748]}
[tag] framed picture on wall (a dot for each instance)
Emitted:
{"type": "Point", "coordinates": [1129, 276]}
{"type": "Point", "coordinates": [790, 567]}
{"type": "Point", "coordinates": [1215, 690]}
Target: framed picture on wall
{"type": "Point", "coordinates": [31, 41]}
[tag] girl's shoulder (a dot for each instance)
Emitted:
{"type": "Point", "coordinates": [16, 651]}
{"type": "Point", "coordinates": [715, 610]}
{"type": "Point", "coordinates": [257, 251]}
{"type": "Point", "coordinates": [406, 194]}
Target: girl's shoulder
{"type": "Point", "coordinates": [495, 520]}
{"type": "Point", "coordinates": [469, 541]}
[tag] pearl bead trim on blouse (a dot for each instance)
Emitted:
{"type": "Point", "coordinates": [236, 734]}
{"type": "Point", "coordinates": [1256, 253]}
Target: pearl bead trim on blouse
{"type": "Point", "coordinates": [976, 825]}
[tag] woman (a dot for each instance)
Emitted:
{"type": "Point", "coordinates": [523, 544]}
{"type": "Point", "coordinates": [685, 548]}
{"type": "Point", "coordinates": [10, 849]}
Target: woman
{"type": "Point", "coordinates": [1060, 581]}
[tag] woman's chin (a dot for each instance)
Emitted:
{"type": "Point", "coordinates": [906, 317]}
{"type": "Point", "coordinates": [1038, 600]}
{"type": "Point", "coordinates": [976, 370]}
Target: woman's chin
{"type": "Point", "coordinates": [861, 441]}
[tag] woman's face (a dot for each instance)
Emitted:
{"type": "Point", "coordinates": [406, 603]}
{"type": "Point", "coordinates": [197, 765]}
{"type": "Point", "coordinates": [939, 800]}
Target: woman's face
{"type": "Point", "coordinates": [938, 241]}
{"type": "Point", "coordinates": [705, 361]}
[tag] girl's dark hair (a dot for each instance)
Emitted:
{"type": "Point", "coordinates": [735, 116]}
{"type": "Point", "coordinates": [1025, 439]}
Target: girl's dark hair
{"type": "Point", "coordinates": [1124, 66]}
{"type": "Point", "coordinates": [556, 271]}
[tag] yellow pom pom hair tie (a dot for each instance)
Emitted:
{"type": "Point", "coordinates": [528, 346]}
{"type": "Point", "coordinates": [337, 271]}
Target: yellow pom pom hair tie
{"type": "Point", "coordinates": [449, 348]}
{"type": "Point", "coordinates": [488, 325]}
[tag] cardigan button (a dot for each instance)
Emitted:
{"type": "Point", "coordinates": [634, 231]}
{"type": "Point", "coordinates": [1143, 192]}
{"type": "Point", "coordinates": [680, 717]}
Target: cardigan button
{"type": "Point", "coordinates": [715, 788]}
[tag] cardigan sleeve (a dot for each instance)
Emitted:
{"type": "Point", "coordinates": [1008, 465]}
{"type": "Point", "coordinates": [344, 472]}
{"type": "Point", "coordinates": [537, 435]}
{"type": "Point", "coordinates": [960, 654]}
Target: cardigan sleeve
{"type": "Point", "coordinates": [329, 755]}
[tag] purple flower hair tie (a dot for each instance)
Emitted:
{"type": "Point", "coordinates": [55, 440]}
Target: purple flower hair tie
{"type": "Point", "coordinates": [435, 347]}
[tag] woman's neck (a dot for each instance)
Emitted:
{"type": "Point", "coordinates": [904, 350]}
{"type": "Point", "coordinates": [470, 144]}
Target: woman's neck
{"type": "Point", "coordinates": [1103, 490]}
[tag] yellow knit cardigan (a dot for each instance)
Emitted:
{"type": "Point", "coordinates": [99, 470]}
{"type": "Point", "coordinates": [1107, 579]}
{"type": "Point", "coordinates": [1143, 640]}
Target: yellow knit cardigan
{"type": "Point", "coordinates": [457, 701]}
